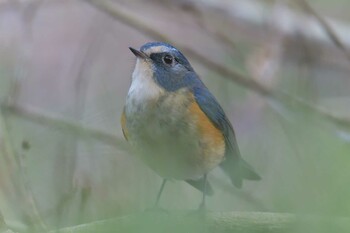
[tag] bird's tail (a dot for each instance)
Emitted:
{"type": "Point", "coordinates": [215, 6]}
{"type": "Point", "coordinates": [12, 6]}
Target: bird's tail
{"type": "Point", "coordinates": [238, 170]}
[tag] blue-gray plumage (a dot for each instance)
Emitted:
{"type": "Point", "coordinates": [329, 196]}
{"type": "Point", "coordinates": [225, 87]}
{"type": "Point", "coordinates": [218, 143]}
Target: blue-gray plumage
{"type": "Point", "coordinates": [176, 124]}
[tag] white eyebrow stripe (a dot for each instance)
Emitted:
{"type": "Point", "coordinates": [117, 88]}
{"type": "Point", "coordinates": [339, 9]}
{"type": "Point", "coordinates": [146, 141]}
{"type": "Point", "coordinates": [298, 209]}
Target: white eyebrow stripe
{"type": "Point", "coordinates": [158, 49]}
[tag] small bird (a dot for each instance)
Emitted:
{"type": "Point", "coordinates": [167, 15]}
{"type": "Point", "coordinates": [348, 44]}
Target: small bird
{"type": "Point", "coordinates": [175, 124]}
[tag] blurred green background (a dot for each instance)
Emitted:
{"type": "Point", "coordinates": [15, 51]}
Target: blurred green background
{"type": "Point", "coordinates": [68, 61]}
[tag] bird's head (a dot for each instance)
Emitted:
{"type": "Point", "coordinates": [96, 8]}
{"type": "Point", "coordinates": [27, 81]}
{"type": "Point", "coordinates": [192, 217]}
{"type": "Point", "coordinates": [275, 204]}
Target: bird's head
{"type": "Point", "coordinates": [165, 65]}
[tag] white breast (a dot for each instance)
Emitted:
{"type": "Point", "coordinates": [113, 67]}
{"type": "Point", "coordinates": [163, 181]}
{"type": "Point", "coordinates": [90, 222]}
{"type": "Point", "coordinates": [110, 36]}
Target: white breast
{"type": "Point", "coordinates": [143, 88]}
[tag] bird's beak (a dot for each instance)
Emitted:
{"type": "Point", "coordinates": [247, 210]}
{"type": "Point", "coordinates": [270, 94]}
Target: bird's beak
{"type": "Point", "coordinates": [138, 53]}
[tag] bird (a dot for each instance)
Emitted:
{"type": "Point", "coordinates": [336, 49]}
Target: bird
{"type": "Point", "coordinates": [175, 125]}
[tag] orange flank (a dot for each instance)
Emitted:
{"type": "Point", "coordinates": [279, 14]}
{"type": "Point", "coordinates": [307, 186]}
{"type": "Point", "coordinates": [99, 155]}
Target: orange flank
{"type": "Point", "coordinates": [123, 123]}
{"type": "Point", "coordinates": [212, 138]}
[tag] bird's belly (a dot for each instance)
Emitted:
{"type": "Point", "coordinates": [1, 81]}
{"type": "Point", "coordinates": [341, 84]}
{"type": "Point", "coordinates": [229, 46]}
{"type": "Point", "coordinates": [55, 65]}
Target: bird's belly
{"type": "Point", "coordinates": [168, 141]}
{"type": "Point", "coordinates": [168, 148]}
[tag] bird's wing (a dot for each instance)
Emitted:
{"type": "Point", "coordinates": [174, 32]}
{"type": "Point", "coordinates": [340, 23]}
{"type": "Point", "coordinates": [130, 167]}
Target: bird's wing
{"type": "Point", "coordinates": [208, 104]}
{"type": "Point", "coordinates": [123, 124]}
{"type": "Point", "coordinates": [233, 165]}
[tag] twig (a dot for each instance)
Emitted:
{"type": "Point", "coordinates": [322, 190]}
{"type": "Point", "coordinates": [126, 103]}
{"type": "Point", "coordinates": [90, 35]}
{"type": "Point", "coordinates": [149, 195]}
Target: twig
{"type": "Point", "coordinates": [218, 222]}
{"type": "Point", "coordinates": [64, 124]}
{"type": "Point", "coordinates": [280, 96]}
{"type": "Point", "coordinates": [25, 189]}
{"type": "Point", "coordinates": [327, 28]}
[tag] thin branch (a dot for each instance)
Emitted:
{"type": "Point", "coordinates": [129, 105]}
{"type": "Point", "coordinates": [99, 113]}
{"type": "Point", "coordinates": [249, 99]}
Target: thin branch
{"type": "Point", "coordinates": [326, 27]}
{"type": "Point", "coordinates": [283, 97]}
{"type": "Point", "coordinates": [25, 189]}
{"type": "Point", "coordinates": [218, 222]}
{"type": "Point", "coordinates": [64, 124]}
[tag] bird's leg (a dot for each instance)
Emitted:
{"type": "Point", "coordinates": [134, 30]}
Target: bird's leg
{"type": "Point", "coordinates": [202, 205]}
{"type": "Point", "coordinates": [160, 193]}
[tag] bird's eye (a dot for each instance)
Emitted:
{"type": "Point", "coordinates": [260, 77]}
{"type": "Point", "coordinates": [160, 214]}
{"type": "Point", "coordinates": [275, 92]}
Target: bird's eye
{"type": "Point", "coordinates": [168, 59]}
